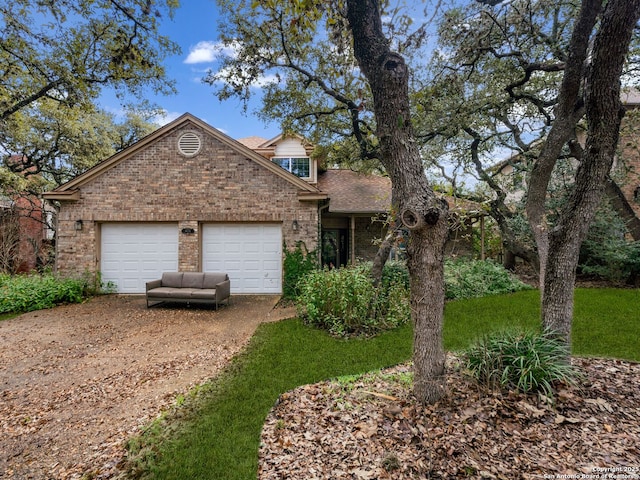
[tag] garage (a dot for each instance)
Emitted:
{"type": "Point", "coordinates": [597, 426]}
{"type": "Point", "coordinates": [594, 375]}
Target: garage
{"type": "Point", "coordinates": [250, 253]}
{"type": "Point", "coordinates": [134, 253]}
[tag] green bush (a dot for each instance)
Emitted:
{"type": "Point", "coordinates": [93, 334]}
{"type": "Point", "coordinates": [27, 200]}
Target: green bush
{"type": "Point", "coordinates": [25, 293]}
{"type": "Point", "coordinates": [297, 263]}
{"type": "Point", "coordinates": [345, 302]}
{"type": "Point", "coordinates": [476, 278]}
{"type": "Point", "coordinates": [606, 252]}
{"type": "Point", "coordinates": [395, 271]}
{"type": "Point", "coordinates": [523, 361]}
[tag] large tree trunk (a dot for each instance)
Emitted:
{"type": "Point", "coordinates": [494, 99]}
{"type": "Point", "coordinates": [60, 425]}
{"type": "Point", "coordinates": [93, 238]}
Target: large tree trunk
{"type": "Point", "coordinates": [417, 207]}
{"type": "Point", "coordinates": [604, 113]}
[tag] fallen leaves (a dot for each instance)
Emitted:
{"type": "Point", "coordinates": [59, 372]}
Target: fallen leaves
{"type": "Point", "coordinates": [372, 428]}
{"type": "Point", "coordinates": [79, 380]}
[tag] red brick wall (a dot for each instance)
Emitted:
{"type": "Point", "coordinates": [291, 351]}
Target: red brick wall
{"type": "Point", "coordinates": [158, 184]}
{"type": "Point", "coordinates": [31, 227]}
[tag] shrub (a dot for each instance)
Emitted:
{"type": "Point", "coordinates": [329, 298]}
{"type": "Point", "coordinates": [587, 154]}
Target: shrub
{"type": "Point", "coordinates": [522, 361]}
{"type": "Point", "coordinates": [25, 293]}
{"type": "Point", "coordinates": [345, 302]}
{"type": "Point", "coordinates": [297, 263]}
{"type": "Point", "coordinates": [476, 278]}
{"type": "Point", "coordinates": [606, 252]}
{"type": "Point", "coordinates": [395, 271]}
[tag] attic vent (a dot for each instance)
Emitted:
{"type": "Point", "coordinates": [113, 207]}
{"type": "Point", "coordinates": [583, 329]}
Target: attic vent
{"type": "Point", "coordinates": [189, 144]}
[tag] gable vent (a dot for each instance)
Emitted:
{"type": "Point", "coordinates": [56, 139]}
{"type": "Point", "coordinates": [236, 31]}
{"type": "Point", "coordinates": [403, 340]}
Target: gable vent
{"type": "Point", "coordinates": [189, 144]}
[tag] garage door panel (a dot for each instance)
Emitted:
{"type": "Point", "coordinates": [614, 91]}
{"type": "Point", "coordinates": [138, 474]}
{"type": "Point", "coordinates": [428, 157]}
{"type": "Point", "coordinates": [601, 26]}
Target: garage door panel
{"type": "Point", "coordinates": [252, 255]}
{"type": "Point", "coordinates": [133, 254]}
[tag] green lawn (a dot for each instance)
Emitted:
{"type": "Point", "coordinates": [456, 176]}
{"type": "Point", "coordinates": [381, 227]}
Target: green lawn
{"type": "Point", "coordinates": [215, 433]}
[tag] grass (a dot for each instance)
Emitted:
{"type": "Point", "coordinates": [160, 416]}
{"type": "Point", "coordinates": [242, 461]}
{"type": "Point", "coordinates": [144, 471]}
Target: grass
{"type": "Point", "coordinates": [215, 433]}
{"type": "Point", "coordinates": [280, 357]}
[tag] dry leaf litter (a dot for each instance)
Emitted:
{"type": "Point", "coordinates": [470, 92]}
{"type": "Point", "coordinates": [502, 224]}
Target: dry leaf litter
{"type": "Point", "coordinates": [372, 428]}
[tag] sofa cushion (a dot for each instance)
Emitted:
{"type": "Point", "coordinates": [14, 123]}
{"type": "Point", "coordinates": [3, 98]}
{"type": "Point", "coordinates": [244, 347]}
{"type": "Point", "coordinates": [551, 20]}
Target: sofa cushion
{"type": "Point", "coordinates": [211, 279]}
{"type": "Point", "coordinates": [172, 279]}
{"type": "Point", "coordinates": [163, 292]}
{"type": "Point", "coordinates": [205, 293]}
{"type": "Point", "coordinates": [192, 279]}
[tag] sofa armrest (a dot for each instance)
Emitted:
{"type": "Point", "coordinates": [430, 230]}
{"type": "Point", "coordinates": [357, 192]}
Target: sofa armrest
{"type": "Point", "coordinates": [153, 284]}
{"type": "Point", "coordinates": [223, 290]}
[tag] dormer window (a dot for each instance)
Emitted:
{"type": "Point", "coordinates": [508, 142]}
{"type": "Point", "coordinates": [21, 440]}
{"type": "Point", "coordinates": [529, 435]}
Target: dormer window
{"type": "Point", "coordinates": [299, 166]}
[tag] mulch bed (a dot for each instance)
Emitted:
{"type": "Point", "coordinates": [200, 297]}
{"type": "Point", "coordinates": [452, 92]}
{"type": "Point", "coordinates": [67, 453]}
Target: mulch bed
{"type": "Point", "coordinates": [372, 428]}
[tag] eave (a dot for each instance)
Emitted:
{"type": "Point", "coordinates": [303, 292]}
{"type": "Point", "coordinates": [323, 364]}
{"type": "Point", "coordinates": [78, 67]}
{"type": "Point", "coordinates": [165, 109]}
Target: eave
{"type": "Point", "coordinates": [62, 195]}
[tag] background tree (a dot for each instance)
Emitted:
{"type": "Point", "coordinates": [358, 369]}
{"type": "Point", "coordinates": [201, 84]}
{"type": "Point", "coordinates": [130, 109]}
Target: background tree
{"type": "Point", "coordinates": [58, 142]}
{"type": "Point", "coordinates": [492, 92]}
{"type": "Point", "coordinates": [559, 247]}
{"type": "Point", "coordinates": [67, 51]}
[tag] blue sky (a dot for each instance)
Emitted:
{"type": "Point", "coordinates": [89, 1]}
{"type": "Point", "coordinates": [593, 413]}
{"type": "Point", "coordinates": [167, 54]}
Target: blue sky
{"type": "Point", "coordinates": [194, 28]}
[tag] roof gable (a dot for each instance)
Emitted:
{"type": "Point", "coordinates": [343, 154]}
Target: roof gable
{"type": "Point", "coordinates": [67, 190]}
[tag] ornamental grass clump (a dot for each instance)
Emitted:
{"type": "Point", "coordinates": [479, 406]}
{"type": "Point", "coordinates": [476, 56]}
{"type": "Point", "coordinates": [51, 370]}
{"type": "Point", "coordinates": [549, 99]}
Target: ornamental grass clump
{"type": "Point", "coordinates": [527, 362]}
{"type": "Point", "coordinates": [345, 302]}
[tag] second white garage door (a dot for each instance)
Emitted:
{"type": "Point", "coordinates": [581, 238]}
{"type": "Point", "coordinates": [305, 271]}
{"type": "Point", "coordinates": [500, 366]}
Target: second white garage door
{"type": "Point", "coordinates": [250, 253]}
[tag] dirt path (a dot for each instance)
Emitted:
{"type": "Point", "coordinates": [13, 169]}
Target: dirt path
{"type": "Point", "coordinates": [75, 381]}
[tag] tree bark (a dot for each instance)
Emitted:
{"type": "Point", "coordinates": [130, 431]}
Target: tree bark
{"type": "Point", "coordinates": [419, 210]}
{"type": "Point", "coordinates": [604, 113]}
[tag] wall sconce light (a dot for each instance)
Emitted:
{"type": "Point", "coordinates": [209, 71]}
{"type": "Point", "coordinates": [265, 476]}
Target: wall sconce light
{"type": "Point", "coordinates": [295, 226]}
{"type": "Point", "coordinates": [78, 225]}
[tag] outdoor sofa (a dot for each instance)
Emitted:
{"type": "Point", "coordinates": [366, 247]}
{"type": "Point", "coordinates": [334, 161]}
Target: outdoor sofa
{"type": "Point", "coordinates": [189, 287]}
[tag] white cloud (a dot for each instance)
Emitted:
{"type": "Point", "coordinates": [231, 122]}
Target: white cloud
{"type": "Point", "coordinates": [165, 117]}
{"type": "Point", "coordinates": [203, 52]}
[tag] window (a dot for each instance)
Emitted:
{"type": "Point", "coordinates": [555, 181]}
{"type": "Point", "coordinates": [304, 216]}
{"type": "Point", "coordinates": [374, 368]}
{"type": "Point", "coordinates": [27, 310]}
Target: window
{"type": "Point", "coordinates": [300, 166]}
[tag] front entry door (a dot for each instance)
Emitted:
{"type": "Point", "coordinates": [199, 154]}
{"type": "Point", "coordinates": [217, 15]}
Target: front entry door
{"type": "Point", "coordinates": [335, 247]}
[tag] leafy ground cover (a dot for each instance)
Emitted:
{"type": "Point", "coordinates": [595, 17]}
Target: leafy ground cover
{"type": "Point", "coordinates": [26, 293]}
{"type": "Point", "coordinates": [216, 432]}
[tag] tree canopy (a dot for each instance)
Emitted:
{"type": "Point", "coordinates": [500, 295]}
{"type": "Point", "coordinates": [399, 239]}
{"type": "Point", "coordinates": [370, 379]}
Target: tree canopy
{"type": "Point", "coordinates": [68, 50]}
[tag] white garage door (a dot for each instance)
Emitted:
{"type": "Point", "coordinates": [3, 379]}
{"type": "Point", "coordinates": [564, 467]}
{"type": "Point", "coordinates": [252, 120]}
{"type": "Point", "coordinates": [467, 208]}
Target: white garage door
{"type": "Point", "coordinates": [250, 253]}
{"type": "Point", "coordinates": [135, 253]}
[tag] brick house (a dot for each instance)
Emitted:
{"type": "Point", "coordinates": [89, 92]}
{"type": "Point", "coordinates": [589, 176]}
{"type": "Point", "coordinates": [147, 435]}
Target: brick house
{"type": "Point", "coordinates": [24, 233]}
{"type": "Point", "coordinates": [187, 197]}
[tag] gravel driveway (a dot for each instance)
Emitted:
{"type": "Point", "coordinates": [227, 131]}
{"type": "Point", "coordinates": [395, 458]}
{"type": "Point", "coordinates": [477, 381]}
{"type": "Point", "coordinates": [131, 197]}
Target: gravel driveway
{"type": "Point", "coordinates": [77, 380]}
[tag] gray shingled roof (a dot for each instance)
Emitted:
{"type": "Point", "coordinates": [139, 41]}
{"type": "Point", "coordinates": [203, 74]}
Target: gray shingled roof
{"type": "Point", "coordinates": [353, 192]}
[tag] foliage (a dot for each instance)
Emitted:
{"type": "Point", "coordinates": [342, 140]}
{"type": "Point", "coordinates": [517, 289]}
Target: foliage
{"type": "Point", "coordinates": [345, 302]}
{"type": "Point", "coordinates": [297, 263]}
{"type": "Point", "coordinates": [68, 51]}
{"type": "Point", "coordinates": [525, 361]}
{"type": "Point", "coordinates": [25, 293]}
{"type": "Point", "coordinates": [395, 272]}
{"type": "Point", "coordinates": [54, 143]}
{"type": "Point", "coordinates": [606, 252]}
{"type": "Point", "coordinates": [282, 47]}
{"type": "Point", "coordinates": [475, 278]}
